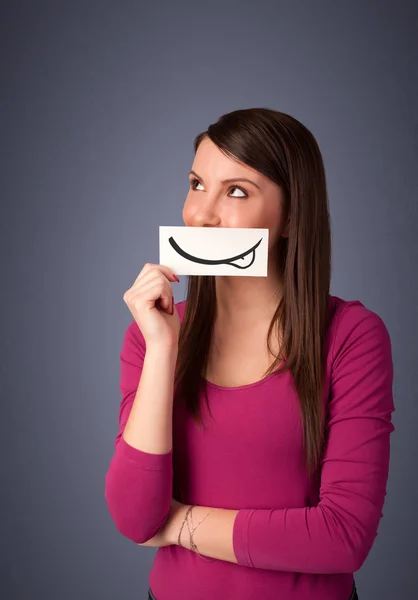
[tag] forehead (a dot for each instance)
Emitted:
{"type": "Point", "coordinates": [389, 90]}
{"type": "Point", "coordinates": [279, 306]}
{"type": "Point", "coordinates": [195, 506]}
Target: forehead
{"type": "Point", "coordinates": [211, 161]}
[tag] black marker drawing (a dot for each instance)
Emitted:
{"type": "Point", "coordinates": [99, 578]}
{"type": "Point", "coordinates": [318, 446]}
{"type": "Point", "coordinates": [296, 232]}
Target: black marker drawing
{"type": "Point", "coordinates": [206, 261]}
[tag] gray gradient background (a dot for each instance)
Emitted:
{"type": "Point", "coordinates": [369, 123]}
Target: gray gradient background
{"type": "Point", "coordinates": [100, 102]}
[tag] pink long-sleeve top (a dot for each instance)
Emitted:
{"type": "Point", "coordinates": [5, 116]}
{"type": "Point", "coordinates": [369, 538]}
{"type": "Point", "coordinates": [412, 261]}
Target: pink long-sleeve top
{"type": "Point", "coordinates": [294, 537]}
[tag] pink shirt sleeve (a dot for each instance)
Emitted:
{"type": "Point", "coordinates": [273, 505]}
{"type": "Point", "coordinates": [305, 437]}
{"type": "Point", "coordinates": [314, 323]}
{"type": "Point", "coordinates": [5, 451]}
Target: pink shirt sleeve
{"type": "Point", "coordinates": [336, 535]}
{"type": "Point", "coordinates": [138, 485]}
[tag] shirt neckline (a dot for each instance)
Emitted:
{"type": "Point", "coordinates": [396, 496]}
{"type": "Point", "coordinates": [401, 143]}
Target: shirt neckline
{"type": "Point", "coordinates": [245, 386]}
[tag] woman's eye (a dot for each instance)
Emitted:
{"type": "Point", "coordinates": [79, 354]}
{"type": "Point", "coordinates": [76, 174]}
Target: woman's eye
{"type": "Point", "coordinates": [240, 190]}
{"type": "Point", "coordinates": [194, 182]}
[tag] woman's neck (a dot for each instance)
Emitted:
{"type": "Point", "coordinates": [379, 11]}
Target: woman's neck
{"type": "Point", "coordinates": [247, 301]}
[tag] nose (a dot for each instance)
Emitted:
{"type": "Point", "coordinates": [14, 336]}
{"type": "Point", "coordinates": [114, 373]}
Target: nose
{"type": "Point", "coordinates": [206, 215]}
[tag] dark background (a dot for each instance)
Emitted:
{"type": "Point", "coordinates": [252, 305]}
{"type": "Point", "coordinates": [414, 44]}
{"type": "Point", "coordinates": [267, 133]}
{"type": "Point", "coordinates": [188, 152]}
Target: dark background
{"type": "Point", "coordinates": [100, 102]}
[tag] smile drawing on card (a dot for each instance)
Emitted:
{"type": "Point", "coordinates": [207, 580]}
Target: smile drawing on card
{"type": "Point", "coordinates": [214, 250]}
{"type": "Point", "coordinates": [221, 261]}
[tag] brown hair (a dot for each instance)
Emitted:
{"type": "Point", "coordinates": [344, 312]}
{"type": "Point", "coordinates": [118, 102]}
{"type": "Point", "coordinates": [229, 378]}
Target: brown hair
{"type": "Point", "coordinates": [281, 148]}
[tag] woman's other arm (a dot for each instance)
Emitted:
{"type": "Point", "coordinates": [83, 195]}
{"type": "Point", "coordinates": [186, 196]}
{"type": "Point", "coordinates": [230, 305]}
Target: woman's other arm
{"type": "Point", "coordinates": [138, 484]}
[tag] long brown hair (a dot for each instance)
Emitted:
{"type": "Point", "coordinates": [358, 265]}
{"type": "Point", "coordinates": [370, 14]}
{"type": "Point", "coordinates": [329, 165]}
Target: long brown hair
{"type": "Point", "coordinates": [281, 148]}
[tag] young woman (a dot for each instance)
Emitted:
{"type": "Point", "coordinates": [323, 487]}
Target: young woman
{"type": "Point", "coordinates": [254, 428]}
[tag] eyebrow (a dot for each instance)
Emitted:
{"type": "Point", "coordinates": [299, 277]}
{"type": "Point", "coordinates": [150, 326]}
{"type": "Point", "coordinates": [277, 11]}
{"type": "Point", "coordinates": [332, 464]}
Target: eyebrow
{"type": "Point", "coordinates": [228, 180]}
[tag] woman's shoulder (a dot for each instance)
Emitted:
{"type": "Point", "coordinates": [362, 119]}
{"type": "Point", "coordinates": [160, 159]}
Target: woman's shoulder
{"type": "Point", "coordinates": [340, 309]}
{"type": "Point", "coordinates": [351, 322]}
{"type": "Point", "coordinates": [351, 312]}
{"type": "Point", "coordinates": [346, 317]}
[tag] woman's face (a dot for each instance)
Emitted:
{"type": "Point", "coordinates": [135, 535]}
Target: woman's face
{"type": "Point", "coordinates": [214, 202]}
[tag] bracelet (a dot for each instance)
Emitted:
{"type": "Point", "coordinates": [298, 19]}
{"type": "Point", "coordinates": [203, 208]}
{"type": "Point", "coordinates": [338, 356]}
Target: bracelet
{"type": "Point", "coordinates": [182, 525]}
{"type": "Point", "coordinates": [193, 546]}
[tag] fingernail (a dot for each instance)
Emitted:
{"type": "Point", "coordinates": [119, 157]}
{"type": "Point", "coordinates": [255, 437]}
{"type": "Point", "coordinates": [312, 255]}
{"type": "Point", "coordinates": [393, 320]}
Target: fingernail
{"type": "Point", "coordinates": [172, 305]}
{"type": "Point", "coordinates": [176, 278]}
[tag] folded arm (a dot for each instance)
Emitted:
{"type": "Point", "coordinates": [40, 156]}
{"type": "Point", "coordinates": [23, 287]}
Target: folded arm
{"type": "Point", "coordinates": [336, 535]}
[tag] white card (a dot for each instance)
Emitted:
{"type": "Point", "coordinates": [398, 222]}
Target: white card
{"type": "Point", "coordinates": [214, 250]}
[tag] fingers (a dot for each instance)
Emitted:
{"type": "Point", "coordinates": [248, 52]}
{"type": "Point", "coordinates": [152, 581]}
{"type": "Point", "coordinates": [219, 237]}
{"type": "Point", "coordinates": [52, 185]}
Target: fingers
{"type": "Point", "coordinates": [155, 290]}
{"type": "Point", "coordinates": [153, 268]}
{"type": "Point", "coordinates": [152, 286]}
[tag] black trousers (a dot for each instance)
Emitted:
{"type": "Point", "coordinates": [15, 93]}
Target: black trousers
{"type": "Point", "coordinates": [352, 597]}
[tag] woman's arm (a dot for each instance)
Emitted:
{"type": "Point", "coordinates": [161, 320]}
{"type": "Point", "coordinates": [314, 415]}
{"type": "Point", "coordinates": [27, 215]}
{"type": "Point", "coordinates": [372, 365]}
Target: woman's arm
{"type": "Point", "coordinates": [138, 484]}
{"type": "Point", "coordinates": [149, 427]}
{"type": "Point", "coordinates": [213, 537]}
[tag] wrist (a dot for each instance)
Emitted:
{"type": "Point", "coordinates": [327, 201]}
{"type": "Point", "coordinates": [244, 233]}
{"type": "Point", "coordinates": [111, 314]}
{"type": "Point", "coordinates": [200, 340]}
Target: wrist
{"type": "Point", "coordinates": [165, 348]}
{"type": "Point", "coordinates": [179, 512]}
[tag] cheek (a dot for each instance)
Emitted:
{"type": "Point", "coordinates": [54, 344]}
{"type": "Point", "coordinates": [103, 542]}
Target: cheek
{"type": "Point", "coordinates": [271, 219]}
{"type": "Point", "coordinates": [274, 213]}
{"type": "Point", "coordinates": [256, 215]}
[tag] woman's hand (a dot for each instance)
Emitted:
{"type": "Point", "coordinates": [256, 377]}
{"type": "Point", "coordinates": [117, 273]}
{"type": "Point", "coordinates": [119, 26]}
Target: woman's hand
{"type": "Point", "coordinates": [168, 534]}
{"type": "Point", "coordinates": [150, 300]}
